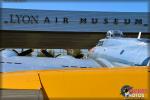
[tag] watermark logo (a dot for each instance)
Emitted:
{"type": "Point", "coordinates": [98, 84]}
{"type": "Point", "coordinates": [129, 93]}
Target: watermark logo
{"type": "Point", "coordinates": [128, 91]}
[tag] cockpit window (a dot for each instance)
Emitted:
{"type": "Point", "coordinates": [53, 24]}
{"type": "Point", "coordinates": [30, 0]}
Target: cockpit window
{"type": "Point", "coordinates": [117, 35]}
{"type": "Point", "coordinates": [114, 33]}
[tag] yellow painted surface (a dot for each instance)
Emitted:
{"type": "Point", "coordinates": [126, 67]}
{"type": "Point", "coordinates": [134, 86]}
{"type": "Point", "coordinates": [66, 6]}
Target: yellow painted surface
{"type": "Point", "coordinates": [19, 80]}
{"type": "Point", "coordinates": [95, 83]}
{"type": "Point", "coordinates": [102, 83]}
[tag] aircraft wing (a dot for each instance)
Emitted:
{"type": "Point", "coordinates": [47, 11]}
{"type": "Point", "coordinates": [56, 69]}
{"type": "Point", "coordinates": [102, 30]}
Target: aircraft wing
{"type": "Point", "coordinates": [93, 83]}
{"type": "Point", "coordinates": [12, 64]}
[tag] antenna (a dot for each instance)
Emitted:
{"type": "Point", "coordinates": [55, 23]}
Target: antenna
{"type": "Point", "coordinates": [139, 36]}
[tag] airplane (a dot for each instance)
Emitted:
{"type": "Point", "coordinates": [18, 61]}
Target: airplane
{"type": "Point", "coordinates": [116, 50]}
{"type": "Point", "coordinates": [113, 51]}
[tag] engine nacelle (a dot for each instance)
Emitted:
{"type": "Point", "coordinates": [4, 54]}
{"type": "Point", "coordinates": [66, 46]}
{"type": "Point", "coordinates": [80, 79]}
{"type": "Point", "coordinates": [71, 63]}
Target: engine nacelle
{"type": "Point", "coordinates": [8, 53]}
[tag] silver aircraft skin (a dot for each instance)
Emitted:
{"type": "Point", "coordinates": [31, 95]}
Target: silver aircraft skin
{"type": "Point", "coordinates": [113, 51]}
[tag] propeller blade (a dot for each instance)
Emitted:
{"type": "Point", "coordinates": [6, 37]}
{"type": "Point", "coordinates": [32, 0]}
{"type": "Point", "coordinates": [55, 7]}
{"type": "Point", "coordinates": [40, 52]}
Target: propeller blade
{"type": "Point", "coordinates": [47, 54]}
{"type": "Point", "coordinates": [57, 55]}
{"type": "Point", "coordinates": [2, 49]}
{"type": "Point", "coordinates": [24, 53]}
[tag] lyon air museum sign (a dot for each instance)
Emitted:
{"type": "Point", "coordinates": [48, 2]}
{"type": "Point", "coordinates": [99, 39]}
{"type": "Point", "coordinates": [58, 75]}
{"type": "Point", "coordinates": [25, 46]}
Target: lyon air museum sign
{"type": "Point", "coordinates": [73, 21]}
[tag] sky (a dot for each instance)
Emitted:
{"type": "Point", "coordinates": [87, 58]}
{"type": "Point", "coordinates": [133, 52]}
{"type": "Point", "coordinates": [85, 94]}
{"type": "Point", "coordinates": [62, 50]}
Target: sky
{"type": "Point", "coordinates": [93, 5]}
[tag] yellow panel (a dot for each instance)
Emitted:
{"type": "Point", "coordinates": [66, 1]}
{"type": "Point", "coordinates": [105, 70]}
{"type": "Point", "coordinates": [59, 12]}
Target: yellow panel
{"type": "Point", "coordinates": [102, 83]}
{"type": "Point", "coordinates": [20, 80]}
{"type": "Point", "coordinates": [92, 83]}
